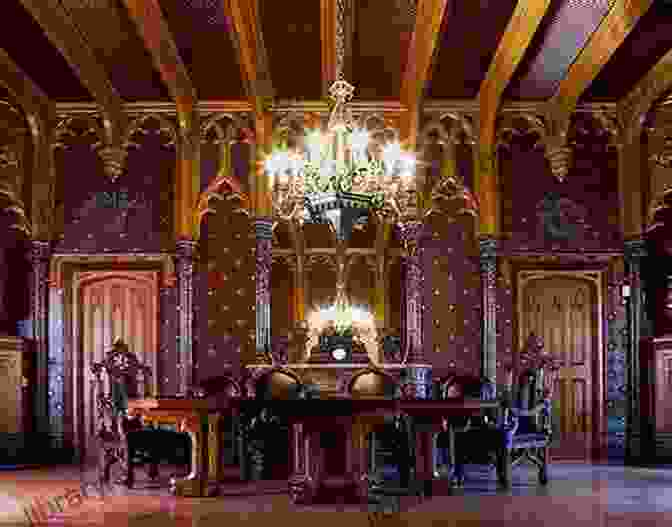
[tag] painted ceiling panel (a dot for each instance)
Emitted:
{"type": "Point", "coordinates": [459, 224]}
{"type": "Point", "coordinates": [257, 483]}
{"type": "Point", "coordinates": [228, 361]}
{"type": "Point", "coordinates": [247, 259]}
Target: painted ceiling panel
{"type": "Point", "coordinates": [22, 37]}
{"type": "Point", "coordinates": [203, 35]}
{"type": "Point", "coordinates": [644, 46]}
{"type": "Point", "coordinates": [383, 31]}
{"type": "Point", "coordinates": [471, 35]}
{"type": "Point", "coordinates": [117, 45]}
{"type": "Point", "coordinates": [293, 47]}
{"type": "Point", "coordinates": [564, 32]}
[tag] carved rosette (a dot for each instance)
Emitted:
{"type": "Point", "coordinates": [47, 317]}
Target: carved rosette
{"type": "Point", "coordinates": [488, 266]}
{"type": "Point", "coordinates": [410, 233]}
{"type": "Point", "coordinates": [264, 259]}
{"type": "Point", "coordinates": [185, 251]}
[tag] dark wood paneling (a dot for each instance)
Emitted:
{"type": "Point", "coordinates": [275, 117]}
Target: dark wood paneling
{"type": "Point", "coordinates": [565, 30]}
{"type": "Point", "coordinates": [202, 34]}
{"type": "Point", "coordinates": [292, 40]}
{"type": "Point", "coordinates": [470, 39]}
{"type": "Point", "coordinates": [22, 37]}
{"type": "Point", "coordinates": [648, 42]}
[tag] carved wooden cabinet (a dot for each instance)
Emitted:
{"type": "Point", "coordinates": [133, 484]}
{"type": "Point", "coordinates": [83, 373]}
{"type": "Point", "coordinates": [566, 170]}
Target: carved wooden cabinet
{"type": "Point", "coordinates": [16, 373]}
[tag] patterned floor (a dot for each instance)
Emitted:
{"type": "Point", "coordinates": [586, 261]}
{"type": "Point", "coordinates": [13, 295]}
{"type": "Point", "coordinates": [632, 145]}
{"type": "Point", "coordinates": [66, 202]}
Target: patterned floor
{"type": "Point", "coordinates": [577, 495]}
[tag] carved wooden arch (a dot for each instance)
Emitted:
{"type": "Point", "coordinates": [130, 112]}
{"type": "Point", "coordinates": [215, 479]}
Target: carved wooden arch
{"type": "Point", "coordinates": [223, 134]}
{"type": "Point", "coordinates": [66, 126]}
{"type": "Point", "coordinates": [58, 261]}
{"type": "Point", "coordinates": [511, 125]}
{"type": "Point", "coordinates": [224, 186]}
{"type": "Point", "coordinates": [138, 126]}
{"type": "Point", "coordinates": [601, 122]}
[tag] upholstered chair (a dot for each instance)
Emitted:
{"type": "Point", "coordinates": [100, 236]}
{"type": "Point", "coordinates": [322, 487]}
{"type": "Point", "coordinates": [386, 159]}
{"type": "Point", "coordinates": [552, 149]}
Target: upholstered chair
{"type": "Point", "coordinates": [522, 433]}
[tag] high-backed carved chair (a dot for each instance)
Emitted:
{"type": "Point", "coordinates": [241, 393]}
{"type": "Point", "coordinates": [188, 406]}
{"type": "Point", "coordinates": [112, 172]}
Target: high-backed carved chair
{"type": "Point", "coordinates": [523, 430]}
{"type": "Point", "coordinates": [116, 379]}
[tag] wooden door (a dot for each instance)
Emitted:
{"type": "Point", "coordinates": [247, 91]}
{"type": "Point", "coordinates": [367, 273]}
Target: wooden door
{"type": "Point", "coordinates": [563, 310]}
{"type": "Point", "coordinates": [111, 304]}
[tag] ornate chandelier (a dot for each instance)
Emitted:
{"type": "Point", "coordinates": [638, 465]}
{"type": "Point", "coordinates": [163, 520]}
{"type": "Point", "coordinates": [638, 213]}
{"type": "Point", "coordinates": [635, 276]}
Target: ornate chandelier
{"type": "Point", "coordinates": [337, 176]}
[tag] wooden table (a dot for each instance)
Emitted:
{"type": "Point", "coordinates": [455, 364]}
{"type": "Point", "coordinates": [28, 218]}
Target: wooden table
{"type": "Point", "coordinates": [358, 418]}
{"type": "Point", "coordinates": [200, 418]}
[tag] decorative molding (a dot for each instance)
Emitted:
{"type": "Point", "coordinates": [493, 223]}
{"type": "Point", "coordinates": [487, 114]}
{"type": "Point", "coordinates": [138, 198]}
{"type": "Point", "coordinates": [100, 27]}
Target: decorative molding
{"type": "Point", "coordinates": [60, 259]}
{"type": "Point", "coordinates": [426, 38]}
{"type": "Point", "coordinates": [57, 23]}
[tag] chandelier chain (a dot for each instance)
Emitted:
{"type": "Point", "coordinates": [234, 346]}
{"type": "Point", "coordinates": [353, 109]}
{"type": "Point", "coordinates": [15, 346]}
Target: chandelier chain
{"type": "Point", "coordinates": [340, 38]}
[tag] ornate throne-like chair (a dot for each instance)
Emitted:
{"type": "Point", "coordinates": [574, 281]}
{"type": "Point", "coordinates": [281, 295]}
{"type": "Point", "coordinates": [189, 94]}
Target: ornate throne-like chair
{"type": "Point", "coordinates": [122, 438]}
{"type": "Point", "coordinates": [522, 431]}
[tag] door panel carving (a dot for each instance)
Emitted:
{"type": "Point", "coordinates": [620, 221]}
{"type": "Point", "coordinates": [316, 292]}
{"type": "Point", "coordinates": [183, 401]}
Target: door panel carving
{"type": "Point", "coordinates": [563, 309]}
{"type": "Point", "coordinates": [111, 304]}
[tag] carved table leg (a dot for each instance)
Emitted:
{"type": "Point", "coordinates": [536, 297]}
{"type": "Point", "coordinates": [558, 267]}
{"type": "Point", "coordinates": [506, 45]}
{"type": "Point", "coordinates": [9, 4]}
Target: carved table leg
{"type": "Point", "coordinates": [301, 482]}
{"type": "Point", "coordinates": [424, 461]}
{"type": "Point", "coordinates": [360, 459]}
{"type": "Point", "coordinates": [194, 484]}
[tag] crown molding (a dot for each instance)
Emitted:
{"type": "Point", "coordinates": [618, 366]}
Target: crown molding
{"type": "Point", "coordinates": [467, 106]}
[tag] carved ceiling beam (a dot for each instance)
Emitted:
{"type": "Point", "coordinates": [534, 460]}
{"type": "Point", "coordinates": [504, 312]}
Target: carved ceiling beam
{"type": "Point", "coordinates": [516, 39]}
{"type": "Point", "coordinates": [424, 44]}
{"type": "Point", "coordinates": [632, 110]}
{"type": "Point", "coordinates": [257, 78]}
{"type": "Point", "coordinates": [610, 34]}
{"type": "Point", "coordinates": [159, 41]}
{"type": "Point", "coordinates": [61, 30]}
{"type": "Point", "coordinates": [39, 113]}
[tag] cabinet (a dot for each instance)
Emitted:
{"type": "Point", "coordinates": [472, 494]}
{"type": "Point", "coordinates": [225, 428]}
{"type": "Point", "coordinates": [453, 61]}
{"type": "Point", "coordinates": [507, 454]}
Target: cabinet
{"type": "Point", "coordinates": [16, 374]}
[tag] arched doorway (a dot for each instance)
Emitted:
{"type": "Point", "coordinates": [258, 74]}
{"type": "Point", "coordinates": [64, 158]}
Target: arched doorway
{"type": "Point", "coordinates": [565, 309]}
{"type": "Point", "coordinates": [110, 304]}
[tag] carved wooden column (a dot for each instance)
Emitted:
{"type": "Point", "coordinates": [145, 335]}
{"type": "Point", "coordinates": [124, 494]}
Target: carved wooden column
{"type": "Point", "coordinates": [50, 369]}
{"type": "Point", "coordinates": [419, 372]}
{"type": "Point", "coordinates": [488, 260]}
{"type": "Point", "coordinates": [638, 328]}
{"type": "Point", "coordinates": [264, 256]}
{"type": "Point", "coordinates": [185, 252]}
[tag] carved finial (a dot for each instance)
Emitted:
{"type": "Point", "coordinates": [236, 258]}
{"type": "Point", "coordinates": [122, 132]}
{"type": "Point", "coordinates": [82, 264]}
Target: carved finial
{"type": "Point", "coordinates": [560, 158]}
{"type": "Point", "coordinates": [114, 160]}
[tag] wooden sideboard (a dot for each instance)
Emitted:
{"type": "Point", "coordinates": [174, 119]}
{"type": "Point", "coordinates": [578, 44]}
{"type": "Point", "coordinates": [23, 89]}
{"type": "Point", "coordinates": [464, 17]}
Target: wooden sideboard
{"type": "Point", "coordinates": [16, 373]}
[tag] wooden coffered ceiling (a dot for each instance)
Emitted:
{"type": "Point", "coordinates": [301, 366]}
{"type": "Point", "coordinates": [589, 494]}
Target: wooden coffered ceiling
{"type": "Point", "coordinates": [99, 52]}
